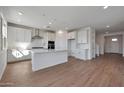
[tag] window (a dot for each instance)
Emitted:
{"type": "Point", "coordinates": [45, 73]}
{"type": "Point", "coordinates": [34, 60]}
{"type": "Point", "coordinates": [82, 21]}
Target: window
{"type": "Point", "coordinates": [114, 39]}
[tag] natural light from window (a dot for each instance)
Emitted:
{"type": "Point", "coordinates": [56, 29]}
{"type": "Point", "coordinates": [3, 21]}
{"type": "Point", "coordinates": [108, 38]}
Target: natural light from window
{"type": "Point", "coordinates": [114, 39]}
{"type": "Point", "coordinates": [20, 53]}
{"type": "Point", "coordinates": [16, 53]}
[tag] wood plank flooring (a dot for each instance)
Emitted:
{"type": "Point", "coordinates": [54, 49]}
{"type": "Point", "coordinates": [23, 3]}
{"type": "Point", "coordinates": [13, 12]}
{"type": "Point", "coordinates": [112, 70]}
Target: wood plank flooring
{"type": "Point", "coordinates": [104, 71]}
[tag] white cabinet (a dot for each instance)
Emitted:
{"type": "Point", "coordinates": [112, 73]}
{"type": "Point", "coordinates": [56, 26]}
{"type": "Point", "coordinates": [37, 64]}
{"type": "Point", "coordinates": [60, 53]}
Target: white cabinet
{"type": "Point", "coordinates": [51, 36]}
{"type": "Point", "coordinates": [82, 36]}
{"type": "Point", "coordinates": [18, 35]}
{"type": "Point", "coordinates": [84, 42]}
{"type": "Point", "coordinates": [11, 34]}
{"type": "Point", "coordinates": [41, 33]}
{"type": "Point", "coordinates": [72, 35]}
{"type": "Point", "coordinates": [80, 54]}
{"type": "Point", "coordinates": [27, 36]}
{"type": "Point", "coordinates": [45, 40]}
{"type": "Point", "coordinates": [61, 40]}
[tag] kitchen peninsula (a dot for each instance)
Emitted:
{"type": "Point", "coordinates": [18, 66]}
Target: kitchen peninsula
{"type": "Point", "coordinates": [43, 58]}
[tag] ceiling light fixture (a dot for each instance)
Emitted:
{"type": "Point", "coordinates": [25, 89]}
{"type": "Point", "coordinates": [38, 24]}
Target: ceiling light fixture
{"type": "Point", "coordinates": [50, 23]}
{"type": "Point", "coordinates": [60, 31]}
{"type": "Point", "coordinates": [114, 39]}
{"type": "Point", "coordinates": [20, 13]}
{"type": "Point", "coordinates": [105, 7]}
{"type": "Point", "coordinates": [107, 26]}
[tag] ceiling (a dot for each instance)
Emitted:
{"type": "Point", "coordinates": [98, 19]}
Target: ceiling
{"type": "Point", "coordinates": [67, 17]}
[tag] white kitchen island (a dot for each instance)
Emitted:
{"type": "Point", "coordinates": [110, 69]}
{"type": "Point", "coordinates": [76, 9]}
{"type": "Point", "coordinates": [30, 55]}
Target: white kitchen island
{"type": "Point", "coordinates": [43, 58]}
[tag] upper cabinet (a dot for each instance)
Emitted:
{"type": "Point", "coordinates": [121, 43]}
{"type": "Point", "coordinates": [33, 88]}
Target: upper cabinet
{"type": "Point", "coordinates": [19, 34]}
{"type": "Point", "coordinates": [82, 36]}
{"type": "Point", "coordinates": [51, 36]}
{"type": "Point", "coordinates": [72, 35]}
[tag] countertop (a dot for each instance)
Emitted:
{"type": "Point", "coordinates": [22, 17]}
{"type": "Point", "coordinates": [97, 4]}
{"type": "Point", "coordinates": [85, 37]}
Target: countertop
{"type": "Point", "coordinates": [46, 50]}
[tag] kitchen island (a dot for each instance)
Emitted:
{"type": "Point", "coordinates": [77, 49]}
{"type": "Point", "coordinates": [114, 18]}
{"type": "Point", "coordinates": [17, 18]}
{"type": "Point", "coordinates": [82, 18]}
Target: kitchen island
{"type": "Point", "coordinates": [43, 58]}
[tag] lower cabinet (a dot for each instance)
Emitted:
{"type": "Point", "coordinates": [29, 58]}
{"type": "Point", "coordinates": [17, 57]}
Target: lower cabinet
{"type": "Point", "coordinates": [80, 54]}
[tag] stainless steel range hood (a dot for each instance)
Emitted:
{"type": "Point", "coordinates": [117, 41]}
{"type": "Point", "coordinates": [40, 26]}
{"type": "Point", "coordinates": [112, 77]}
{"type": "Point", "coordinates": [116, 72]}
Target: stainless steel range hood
{"type": "Point", "coordinates": [37, 36]}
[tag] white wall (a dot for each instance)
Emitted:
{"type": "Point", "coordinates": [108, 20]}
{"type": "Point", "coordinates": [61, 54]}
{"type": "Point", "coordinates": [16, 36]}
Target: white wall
{"type": "Point", "coordinates": [3, 53]}
{"type": "Point", "coordinates": [100, 42]}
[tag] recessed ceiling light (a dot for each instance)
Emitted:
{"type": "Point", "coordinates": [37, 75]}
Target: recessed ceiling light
{"type": "Point", "coordinates": [50, 23]}
{"type": "Point", "coordinates": [107, 26]}
{"type": "Point", "coordinates": [105, 7]}
{"type": "Point", "coordinates": [114, 39]}
{"type": "Point", "coordinates": [20, 13]}
{"type": "Point", "coordinates": [60, 31]}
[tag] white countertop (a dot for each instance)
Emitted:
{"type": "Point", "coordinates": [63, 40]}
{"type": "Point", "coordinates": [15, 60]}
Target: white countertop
{"type": "Point", "coordinates": [46, 50]}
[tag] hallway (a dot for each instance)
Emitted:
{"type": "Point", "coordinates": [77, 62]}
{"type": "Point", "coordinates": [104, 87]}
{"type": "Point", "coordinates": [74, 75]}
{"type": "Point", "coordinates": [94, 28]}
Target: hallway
{"type": "Point", "coordinates": [104, 71]}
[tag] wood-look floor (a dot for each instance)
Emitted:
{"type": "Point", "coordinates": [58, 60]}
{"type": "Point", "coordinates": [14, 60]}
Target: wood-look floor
{"type": "Point", "coordinates": [104, 71]}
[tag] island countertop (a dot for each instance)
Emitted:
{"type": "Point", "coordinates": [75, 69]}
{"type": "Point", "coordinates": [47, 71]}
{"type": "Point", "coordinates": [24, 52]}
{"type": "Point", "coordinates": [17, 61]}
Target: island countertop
{"type": "Point", "coordinates": [46, 50]}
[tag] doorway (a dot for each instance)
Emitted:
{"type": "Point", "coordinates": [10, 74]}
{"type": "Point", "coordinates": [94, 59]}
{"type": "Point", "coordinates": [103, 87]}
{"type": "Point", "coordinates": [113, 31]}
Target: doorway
{"type": "Point", "coordinates": [113, 44]}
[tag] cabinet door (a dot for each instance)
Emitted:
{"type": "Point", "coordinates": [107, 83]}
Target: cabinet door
{"type": "Point", "coordinates": [79, 37]}
{"type": "Point", "coordinates": [71, 35]}
{"type": "Point", "coordinates": [51, 36]}
{"type": "Point", "coordinates": [45, 40]}
{"type": "Point", "coordinates": [32, 33]}
{"type": "Point", "coordinates": [11, 36]}
{"type": "Point", "coordinates": [82, 36]}
{"type": "Point", "coordinates": [19, 35]}
{"type": "Point", "coordinates": [27, 36]}
{"type": "Point", "coordinates": [68, 35]}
